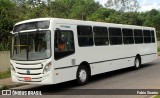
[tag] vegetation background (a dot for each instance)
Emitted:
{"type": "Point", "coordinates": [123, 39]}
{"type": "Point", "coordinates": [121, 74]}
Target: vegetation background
{"type": "Point", "coordinates": [114, 11]}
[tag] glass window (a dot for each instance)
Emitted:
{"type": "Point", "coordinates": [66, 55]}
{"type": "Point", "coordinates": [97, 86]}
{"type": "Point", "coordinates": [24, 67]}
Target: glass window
{"type": "Point", "coordinates": [85, 36]}
{"type": "Point", "coordinates": [153, 36]}
{"type": "Point", "coordinates": [31, 45]}
{"type": "Point", "coordinates": [100, 36]}
{"type": "Point", "coordinates": [138, 36]}
{"type": "Point", "coordinates": [63, 44]}
{"type": "Point", "coordinates": [19, 47]}
{"type": "Point", "coordinates": [115, 36]}
{"type": "Point", "coordinates": [128, 36]}
{"type": "Point", "coordinates": [32, 25]}
{"type": "Point", "coordinates": [147, 36]}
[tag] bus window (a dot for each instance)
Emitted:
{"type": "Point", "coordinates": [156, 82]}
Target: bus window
{"type": "Point", "coordinates": [63, 44]}
{"type": "Point", "coordinates": [128, 36]}
{"type": "Point", "coordinates": [32, 46]}
{"type": "Point", "coordinates": [115, 36]}
{"type": "Point", "coordinates": [147, 36]}
{"type": "Point", "coordinates": [138, 36]}
{"type": "Point", "coordinates": [100, 36]}
{"type": "Point", "coordinates": [85, 36]}
{"type": "Point", "coordinates": [153, 36]}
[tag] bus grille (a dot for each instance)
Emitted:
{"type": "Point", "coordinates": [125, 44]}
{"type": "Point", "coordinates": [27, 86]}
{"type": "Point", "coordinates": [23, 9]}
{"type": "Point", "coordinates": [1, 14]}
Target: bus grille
{"type": "Point", "coordinates": [29, 69]}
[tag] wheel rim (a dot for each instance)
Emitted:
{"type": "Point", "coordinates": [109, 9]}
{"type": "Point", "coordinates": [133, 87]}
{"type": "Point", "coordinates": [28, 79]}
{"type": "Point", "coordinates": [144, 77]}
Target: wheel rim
{"type": "Point", "coordinates": [137, 63]}
{"type": "Point", "coordinates": [82, 75]}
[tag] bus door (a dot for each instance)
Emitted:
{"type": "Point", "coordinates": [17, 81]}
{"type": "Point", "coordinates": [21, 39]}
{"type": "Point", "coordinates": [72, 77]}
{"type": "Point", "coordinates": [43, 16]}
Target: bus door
{"type": "Point", "coordinates": [64, 46]}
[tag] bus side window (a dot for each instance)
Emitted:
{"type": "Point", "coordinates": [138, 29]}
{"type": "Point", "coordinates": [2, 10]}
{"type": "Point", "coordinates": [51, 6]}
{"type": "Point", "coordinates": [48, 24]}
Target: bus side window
{"type": "Point", "coordinates": [127, 36]}
{"type": "Point", "coordinates": [100, 36]}
{"type": "Point", "coordinates": [138, 36]}
{"type": "Point", "coordinates": [63, 44]}
{"type": "Point", "coordinates": [85, 36]}
{"type": "Point", "coordinates": [153, 36]}
{"type": "Point", "coordinates": [115, 36]}
{"type": "Point", "coordinates": [147, 36]}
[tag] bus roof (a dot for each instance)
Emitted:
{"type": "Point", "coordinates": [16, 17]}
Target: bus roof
{"type": "Point", "coordinates": [82, 22]}
{"type": "Point", "coordinates": [31, 20]}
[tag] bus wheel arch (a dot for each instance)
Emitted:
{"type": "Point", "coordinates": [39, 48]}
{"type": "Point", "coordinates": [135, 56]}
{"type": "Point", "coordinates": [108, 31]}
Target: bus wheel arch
{"type": "Point", "coordinates": [83, 73]}
{"type": "Point", "coordinates": [137, 62]}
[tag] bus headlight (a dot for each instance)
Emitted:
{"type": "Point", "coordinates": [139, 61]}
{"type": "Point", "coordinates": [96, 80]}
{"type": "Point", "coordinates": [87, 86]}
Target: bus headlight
{"type": "Point", "coordinates": [47, 67]}
{"type": "Point", "coordinates": [12, 68]}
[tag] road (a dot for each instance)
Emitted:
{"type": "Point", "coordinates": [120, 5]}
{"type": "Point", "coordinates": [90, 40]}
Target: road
{"type": "Point", "coordinates": [147, 77]}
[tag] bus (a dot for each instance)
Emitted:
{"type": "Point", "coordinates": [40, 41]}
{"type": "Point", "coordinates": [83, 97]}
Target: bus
{"type": "Point", "coordinates": [54, 50]}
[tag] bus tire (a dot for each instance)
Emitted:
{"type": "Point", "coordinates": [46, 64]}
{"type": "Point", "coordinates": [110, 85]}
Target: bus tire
{"type": "Point", "coordinates": [137, 63]}
{"type": "Point", "coordinates": [82, 75]}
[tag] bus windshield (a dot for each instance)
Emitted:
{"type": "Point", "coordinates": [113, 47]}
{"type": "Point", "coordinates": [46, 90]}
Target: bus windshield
{"type": "Point", "coordinates": [31, 45]}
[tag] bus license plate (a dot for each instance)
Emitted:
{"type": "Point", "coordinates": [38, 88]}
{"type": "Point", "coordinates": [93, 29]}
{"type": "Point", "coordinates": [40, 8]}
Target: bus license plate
{"type": "Point", "coordinates": [27, 78]}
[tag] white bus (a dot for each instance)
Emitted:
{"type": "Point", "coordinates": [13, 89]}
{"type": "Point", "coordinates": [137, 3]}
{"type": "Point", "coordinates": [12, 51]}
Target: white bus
{"type": "Point", "coordinates": [53, 50]}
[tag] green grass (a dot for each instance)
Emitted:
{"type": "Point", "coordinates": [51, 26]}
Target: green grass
{"type": "Point", "coordinates": [3, 87]}
{"type": "Point", "coordinates": [158, 49]}
{"type": "Point", "coordinates": [158, 96]}
{"type": "Point", "coordinates": [5, 74]}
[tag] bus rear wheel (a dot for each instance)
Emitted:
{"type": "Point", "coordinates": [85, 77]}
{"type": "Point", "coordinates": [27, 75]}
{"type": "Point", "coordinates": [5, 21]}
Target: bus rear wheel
{"type": "Point", "coordinates": [82, 75]}
{"type": "Point", "coordinates": [137, 63]}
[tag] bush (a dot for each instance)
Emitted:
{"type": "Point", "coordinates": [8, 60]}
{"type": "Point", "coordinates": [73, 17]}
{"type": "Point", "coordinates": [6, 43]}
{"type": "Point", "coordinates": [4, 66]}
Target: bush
{"type": "Point", "coordinates": [6, 74]}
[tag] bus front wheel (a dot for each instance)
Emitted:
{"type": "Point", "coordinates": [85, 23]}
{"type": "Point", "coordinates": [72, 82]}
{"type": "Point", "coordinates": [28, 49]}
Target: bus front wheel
{"type": "Point", "coordinates": [82, 75]}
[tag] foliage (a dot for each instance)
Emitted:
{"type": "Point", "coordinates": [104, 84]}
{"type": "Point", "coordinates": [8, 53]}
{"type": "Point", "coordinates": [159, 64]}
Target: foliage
{"type": "Point", "coordinates": [12, 11]}
{"type": "Point", "coordinates": [101, 14]}
{"type": "Point", "coordinates": [158, 49]}
{"type": "Point", "coordinates": [6, 74]}
{"type": "Point", "coordinates": [3, 87]}
{"type": "Point", "coordinates": [7, 20]}
{"type": "Point", "coordinates": [84, 8]}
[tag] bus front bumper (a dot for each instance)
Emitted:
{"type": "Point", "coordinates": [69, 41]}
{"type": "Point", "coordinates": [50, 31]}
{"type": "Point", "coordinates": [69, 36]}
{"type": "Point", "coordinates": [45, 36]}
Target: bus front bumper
{"type": "Point", "coordinates": [44, 79]}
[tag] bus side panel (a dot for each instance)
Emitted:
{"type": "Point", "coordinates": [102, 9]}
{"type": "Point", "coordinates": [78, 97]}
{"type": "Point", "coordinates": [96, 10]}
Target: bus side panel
{"type": "Point", "coordinates": [111, 65]}
{"type": "Point", "coordinates": [149, 53]}
{"type": "Point", "coordinates": [65, 74]}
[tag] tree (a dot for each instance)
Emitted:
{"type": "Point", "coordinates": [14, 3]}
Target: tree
{"type": "Point", "coordinates": [18, 2]}
{"type": "Point", "coordinates": [7, 19]}
{"type": "Point", "coordinates": [101, 14]}
{"type": "Point", "coordinates": [123, 5]}
{"type": "Point", "coordinates": [84, 8]}
{"type": "Point", "coordinates": [61, 8]}
{"type": "Point", "coordinates": [76, 9]}
{"type": "Point", "coordinates": [131, 18]}
{"type": "Point", "coordinates": [152, 19]}
{"type": "Point", "coordinates": [114, 18]}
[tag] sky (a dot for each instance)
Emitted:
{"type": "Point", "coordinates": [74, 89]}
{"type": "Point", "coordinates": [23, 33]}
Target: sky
{"type": "Point", "coordinates": [146, 5]}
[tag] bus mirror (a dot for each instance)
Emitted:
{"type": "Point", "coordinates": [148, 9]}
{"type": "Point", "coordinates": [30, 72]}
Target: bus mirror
{"type": "Point", "coordinates": [11, 32]}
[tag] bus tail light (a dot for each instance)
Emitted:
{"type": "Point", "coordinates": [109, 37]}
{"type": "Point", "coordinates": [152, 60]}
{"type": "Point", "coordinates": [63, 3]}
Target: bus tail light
{"type": "Point", "coordinates": [47, 67]}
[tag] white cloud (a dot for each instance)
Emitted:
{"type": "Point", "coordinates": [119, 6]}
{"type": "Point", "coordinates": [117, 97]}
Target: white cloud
{"type": "Point", "coordinates": [102, 2]}
{"type": "Point", "coordinates": [146, 5]}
